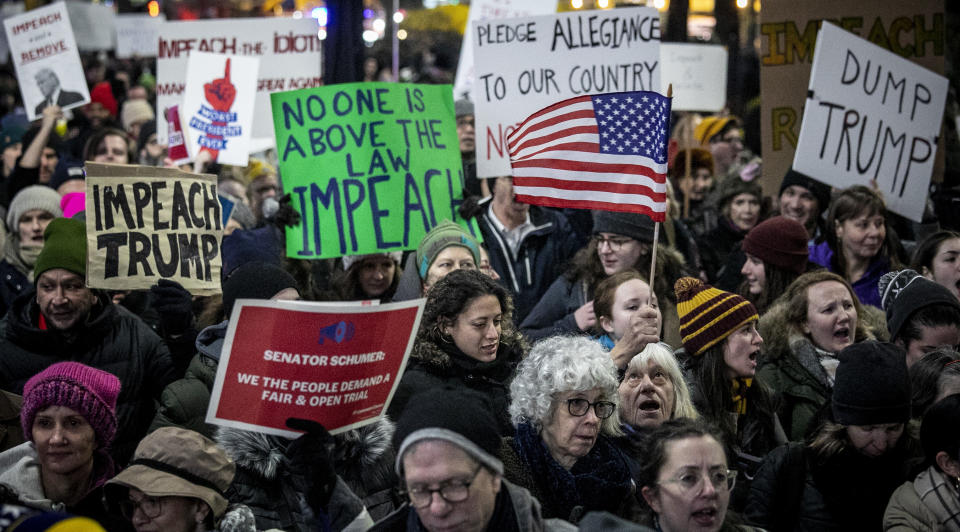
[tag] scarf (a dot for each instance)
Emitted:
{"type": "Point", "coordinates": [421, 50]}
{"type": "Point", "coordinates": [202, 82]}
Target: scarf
{"type": "Point", "coordinates": [939, 496]}
{"type": "Point", "coordinates": [600, 481]}
{"type": "Point", "coordinates": [739, 394]}
{"type": "Point", "coordinates": [829, 362]}
{"type": "Point", "coordinates": [21, 256]}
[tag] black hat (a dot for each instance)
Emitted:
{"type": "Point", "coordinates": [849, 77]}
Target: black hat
{"type": "Point", "coordinates": [904, 292]}
{"type": "Point", "coordinates": [462, 417]}
{"type": "Point", "coordinates": [818, 189]}
{"type": "Point", "coordinates": [872, 386]}
{"type": "Point", "coordinates": [255, 280]}
{"type": "Point", "coordinates": [636, 226]}
{"type": "Point", "coordinates": [67, 169]}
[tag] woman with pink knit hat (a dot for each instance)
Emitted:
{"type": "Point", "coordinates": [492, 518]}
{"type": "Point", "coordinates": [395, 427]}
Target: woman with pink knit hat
{"type": "Point", "coordinates": [69, 419]}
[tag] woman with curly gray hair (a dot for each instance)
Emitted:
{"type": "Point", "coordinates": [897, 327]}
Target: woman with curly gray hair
{"type": "Point", "coordinates": [564, 405]}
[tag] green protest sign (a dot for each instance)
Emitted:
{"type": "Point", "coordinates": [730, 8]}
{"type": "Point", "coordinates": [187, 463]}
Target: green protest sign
{"type": "Point", "coordinates": [371, 167]}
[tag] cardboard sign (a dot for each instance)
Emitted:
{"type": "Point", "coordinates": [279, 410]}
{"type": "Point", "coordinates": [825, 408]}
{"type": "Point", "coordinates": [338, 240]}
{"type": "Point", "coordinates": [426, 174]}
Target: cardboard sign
{"type": "Point", "coordinates": [46, 59]}
{"type": "Point", "coordinates": [486, 10]}
{"type": "Point", "coordinates": [218, 106]}
{"type": "Point", "coordinates": [914, 30]}
{"type": "Point", "coordinates": [93, 25]}
{"type": "Point", "coordinates": [335, 363]}
{"type": "Point", "coordinates": [7, 10]}
{"type": "Point", "coordinates": [288, 49]}
{"type": "Point", "coordinates": [529, 63]}
{"type": "Point", "coordinates": [146, 223]}
{"type": "Point", "coordinates": [871, 116]}
{"type": "Point", "coordinates": [698, 73]}
{"type": "Point", "coordinates": [137, 35]}
{"type": "Point", "coordinates": [371, 167]}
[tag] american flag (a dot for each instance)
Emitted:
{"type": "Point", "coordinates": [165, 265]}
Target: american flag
{"type": "Point", "coordinates": [606, 152]}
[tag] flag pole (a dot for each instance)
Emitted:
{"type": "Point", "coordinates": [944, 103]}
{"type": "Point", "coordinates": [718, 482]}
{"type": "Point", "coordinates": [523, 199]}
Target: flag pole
{"type": "Point", "coordinates": [656, 229]}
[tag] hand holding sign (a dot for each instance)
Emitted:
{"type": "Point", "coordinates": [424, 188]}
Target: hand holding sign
{"type": "Point", "coordinates": [310, 462]}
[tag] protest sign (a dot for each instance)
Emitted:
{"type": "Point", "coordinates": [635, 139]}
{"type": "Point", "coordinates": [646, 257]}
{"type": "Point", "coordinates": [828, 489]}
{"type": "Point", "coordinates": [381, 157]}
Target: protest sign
{"type": "Point", "coordinates": [45, 57]}
{"type": "Point", "coordinates": [698, 73]}
{"type": "Point", "coordinates": [176, 143]}
{"type": "Point", "coordinates": [871, 115]}
{"type": "Point", "coordinates": [528, 63]}
{"type": "Point", "coordinates": [486, 10]}
{"type": "Point", "coordinates": [7, 10]}
{"type": "Point", "coordinates": [137, 35]}
{"type": "Point", "coordinates": [335, 363]}
{"type": "Point", "coordinates": [93, 25]}
{"type": "Point", "coordinates": [371, 167]}
{"type": "Point", "coordinates": [218, 106]}
{"type": "Point", "coordinates": [146, 223]}
{"type": "Point", "coordinates": [288, 49]}
{"type": "Point", "coordinates": [914, 30]}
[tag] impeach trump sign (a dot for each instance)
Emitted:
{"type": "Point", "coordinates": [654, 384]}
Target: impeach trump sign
{"type": "Point", "coordinates": [146, 224]}
{"type": "Point", "coordinates": [336, 363]}
{"type": "Point", "coordinates": [371, 167]}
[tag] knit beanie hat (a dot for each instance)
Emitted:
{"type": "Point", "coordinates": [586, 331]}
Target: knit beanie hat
{"type": "Point", "coordinates": [242, 214]}
{"type": "Point", "coordinates": [708, 315]}
{"type": "Point", "coordinates": [872, 385]}
{"type": "Point", "coordinates": [780, 241]}
{"type": "Point", "coordinates": [103, 94]}
{"type": "Point", "coordinates": [350, 260]}
{"type": "Point", "coordinates": [90, 391]}
{"type": "Point", "coordinates": [262, 244]}
{"type": "Point", "coordinates": [31, 198]}
{"type": "Point", "coordinates": [147, 129]}
{"type": "Point", "coordinates": [699, 158]}
{"type": "Point", "coordinates": [67, 169]}
{"type": "Point", "coordinates": [459, 416]}
{"type": "Point", "coordinates": [818, 189]}
{"type": "Point", "coordinates": [64, 246]}
{"type": "Point", "coordinates": [442, 236]}
{"type": "Point", "coordinates": [10, 136]}
{"type": "Point", "coordinates": [904, 292]}
{"type": "Point", "coordinates": [711, 126]}
{"type": "Point", "coordinates": [255, 280]}
{"type": "Point", "coordinates": [731, 188]}
{"type": "Point", "coordinates": [463, 108]}
{"type": "Point", "coordinates": [636, 226]}
{"type": "Point", "coordinates": [135, 111]}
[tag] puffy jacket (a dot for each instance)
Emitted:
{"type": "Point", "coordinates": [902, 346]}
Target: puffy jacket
{"type": "Point", "coordinates": [540, 258]}
{"type": "Point", "coordinates": [928, 503]}
{"type": "Point", "coordinates": [112, 339]}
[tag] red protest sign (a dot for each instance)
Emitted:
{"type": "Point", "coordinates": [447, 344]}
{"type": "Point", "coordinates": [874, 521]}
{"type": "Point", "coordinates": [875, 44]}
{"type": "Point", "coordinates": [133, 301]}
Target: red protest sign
{"type": "Point", "coordinates": [338, 364]}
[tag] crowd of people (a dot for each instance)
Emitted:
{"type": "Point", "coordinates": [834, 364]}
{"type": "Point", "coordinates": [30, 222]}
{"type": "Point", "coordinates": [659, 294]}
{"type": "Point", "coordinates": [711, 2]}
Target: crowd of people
{"type": "Point", "coordinates": [791, 364]}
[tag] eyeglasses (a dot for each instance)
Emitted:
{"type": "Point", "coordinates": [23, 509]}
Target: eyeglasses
{"type": "Point", "coordinates": [692, 480]}
{"type": "Point", "coordinates": [452, 491]}
{"type": "Point", "coordinates": [614, 243]}
{"type": "Point", "coordinates": [150, 506]}
{"type": "Point", "coordinates": [579, 407]}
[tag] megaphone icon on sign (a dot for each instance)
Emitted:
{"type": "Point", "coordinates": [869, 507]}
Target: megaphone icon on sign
{"type": "Point", "coordinates": [338, 332]}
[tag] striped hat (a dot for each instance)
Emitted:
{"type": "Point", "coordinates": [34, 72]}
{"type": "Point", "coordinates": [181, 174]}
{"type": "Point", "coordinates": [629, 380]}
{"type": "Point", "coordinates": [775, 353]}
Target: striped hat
{"type": "Point", "coordinates": [708, 315]}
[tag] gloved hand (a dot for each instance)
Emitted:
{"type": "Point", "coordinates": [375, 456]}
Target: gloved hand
{"type": "Point", "coordinates": [310, 462]}
{"type": "Point", "coordinates": [286, 214]}
{"type": "Point", "coordinates": [175, 306]}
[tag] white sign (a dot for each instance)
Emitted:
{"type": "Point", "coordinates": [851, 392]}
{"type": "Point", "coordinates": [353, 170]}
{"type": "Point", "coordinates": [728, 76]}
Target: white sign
{"type": "Point", "coordinates": [6, 11]}
{"type": "Point", "coordinates": [137, 35]}
{"type": "Point", "coordinates": [486, 10]}
{"type": "Point", "coordinates": [871, 115]}
{"type": "Point", "coordinates": [45, 56]}
{"type": "Point", "coordinates": [698, 73]}
{"type": "Point", "coordinates": [217, 109]}
{"type": "Point", "coordinates": [288, 48]}
{"type": "Point", "coordinates": [93, 24]}
{"type": "Point", "coordinates": [525, 64]}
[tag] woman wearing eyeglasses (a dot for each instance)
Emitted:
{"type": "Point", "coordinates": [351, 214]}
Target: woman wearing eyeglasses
{"type": "Point", "coordinates": [176, 483]}
{"type": "Point", "coordinates": [564, 403]}
{"type": "Point", "coordinates": [844, 477]}
{"type": "Point", "coordinates": [686, 480]}
{"type": "Point", "coordinates": [621, 241]}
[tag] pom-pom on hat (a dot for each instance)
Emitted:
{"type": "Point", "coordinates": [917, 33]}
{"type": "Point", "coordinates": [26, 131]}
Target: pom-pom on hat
{"type": "Point", "coordinates": [708, 314]}
{"type": "Point", "coordinates": [780, 241]}
{"type": "Point", "coordinates": [904, 292]}
{"type": "Point", "coordinates": [90, 391]}
{"type": "Point", "coordinates": [872, 386]}
{"type": "Point", "coordinates": [64, 246]}
{"type": "Point", "coordinates": [442, 236]}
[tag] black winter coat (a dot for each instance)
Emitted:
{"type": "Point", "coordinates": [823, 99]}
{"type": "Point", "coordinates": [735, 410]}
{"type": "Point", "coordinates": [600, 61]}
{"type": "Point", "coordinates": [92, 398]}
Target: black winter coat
{"type": "Point", "coordinates": [13, 283]}
{"type": "Point", "coordinates": [112, 340]}
{"type": "Point", "coordinates": [716, 245]}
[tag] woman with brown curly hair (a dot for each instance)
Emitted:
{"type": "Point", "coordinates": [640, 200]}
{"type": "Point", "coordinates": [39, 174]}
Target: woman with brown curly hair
{"type": "Point", "coordinates": [467, 340]}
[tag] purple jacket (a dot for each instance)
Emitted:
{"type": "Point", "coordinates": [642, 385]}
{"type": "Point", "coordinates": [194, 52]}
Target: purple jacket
{"type": "Point", "coordinates": [865, 287]}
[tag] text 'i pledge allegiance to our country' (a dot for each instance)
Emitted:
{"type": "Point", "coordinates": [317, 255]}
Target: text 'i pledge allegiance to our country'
{"type": "Point", "coordinates": [861, 145]}
{"type": "Point", "coordinates": [348, 194]}
{"type": "Point", "coordinates": [594, 31]}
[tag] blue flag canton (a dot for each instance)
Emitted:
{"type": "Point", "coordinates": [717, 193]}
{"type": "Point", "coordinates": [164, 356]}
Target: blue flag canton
{"type": "Point", "coordinates": [633, 123]}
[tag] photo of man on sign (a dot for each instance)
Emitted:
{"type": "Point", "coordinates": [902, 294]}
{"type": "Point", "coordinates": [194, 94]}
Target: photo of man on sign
{"type": "Point", "coordinates": [49, 84]}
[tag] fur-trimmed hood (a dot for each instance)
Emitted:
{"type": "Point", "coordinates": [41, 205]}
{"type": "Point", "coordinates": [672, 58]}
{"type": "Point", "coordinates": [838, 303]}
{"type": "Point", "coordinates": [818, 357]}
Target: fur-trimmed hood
{"type": "Point", "coordinates": [780, 336]}
{"type": "Point", "coordinates": [263, 454]}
